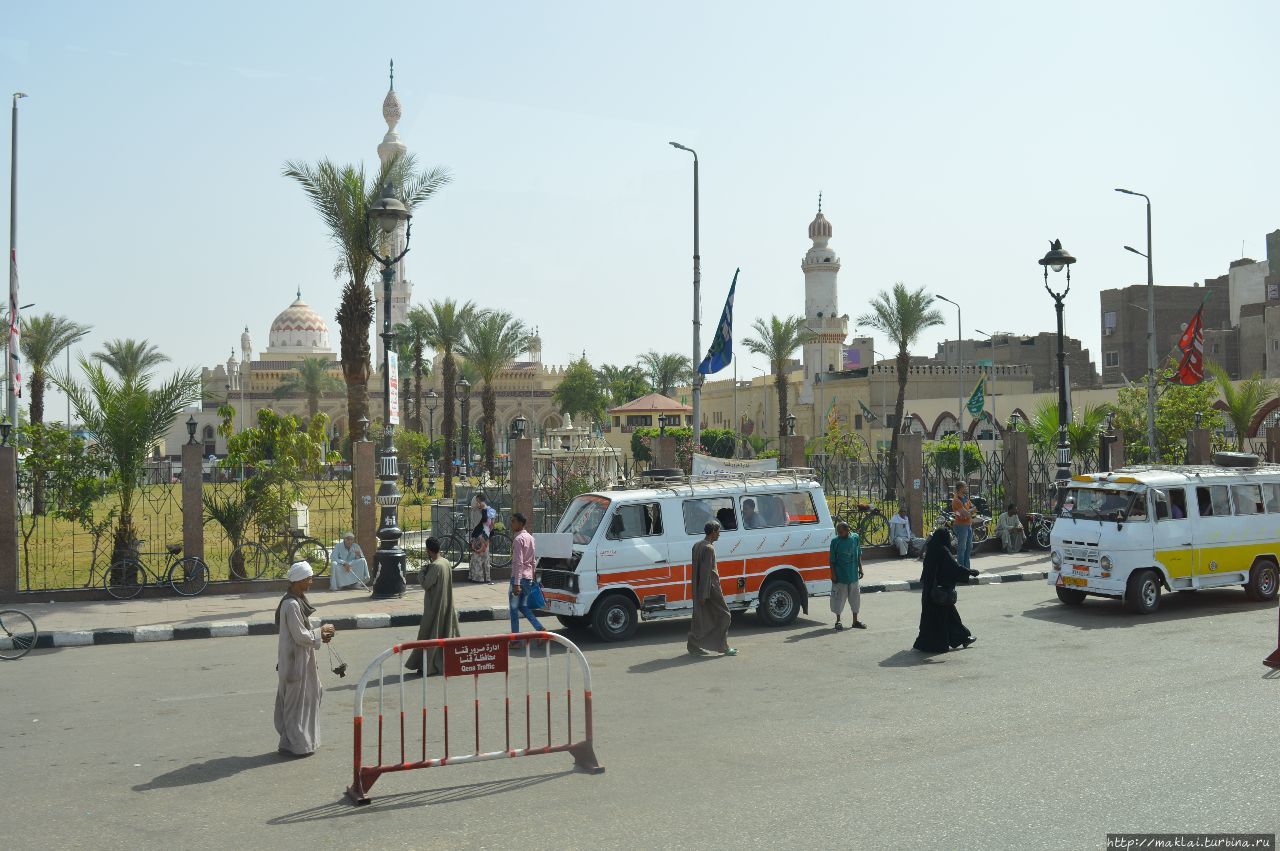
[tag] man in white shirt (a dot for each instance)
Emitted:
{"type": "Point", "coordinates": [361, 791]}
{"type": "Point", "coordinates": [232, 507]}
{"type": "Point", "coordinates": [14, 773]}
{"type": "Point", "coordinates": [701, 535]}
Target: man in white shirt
{"type": "Point", "coordinates": [900, 531]}
{"type": "Point", "coordinates": [1009, 528]}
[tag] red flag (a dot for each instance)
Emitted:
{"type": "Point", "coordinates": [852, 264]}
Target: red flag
{"type": "Point", "coordinates": [1191, 367]}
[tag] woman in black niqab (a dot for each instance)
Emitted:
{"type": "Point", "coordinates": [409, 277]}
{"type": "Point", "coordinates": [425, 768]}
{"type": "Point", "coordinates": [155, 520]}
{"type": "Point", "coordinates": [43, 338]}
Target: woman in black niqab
{"type": "Point", "coordinates": [940, 626]}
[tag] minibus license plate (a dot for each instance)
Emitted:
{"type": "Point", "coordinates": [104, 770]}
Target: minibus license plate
{"type": "Point", "coordinates": [1076, 581]}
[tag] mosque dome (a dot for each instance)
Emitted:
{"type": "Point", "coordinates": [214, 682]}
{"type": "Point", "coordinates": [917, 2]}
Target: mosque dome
{"type": "Point", "coordinates": [299, 329]}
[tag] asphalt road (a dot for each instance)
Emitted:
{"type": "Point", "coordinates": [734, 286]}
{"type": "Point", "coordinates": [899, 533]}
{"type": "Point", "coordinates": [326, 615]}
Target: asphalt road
{"type": "Point", "coordinates": [1058, 726]}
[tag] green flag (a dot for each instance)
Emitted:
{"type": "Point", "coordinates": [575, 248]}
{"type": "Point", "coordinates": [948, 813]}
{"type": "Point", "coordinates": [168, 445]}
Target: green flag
{"type": "Point", "coordinates": [978, 399]}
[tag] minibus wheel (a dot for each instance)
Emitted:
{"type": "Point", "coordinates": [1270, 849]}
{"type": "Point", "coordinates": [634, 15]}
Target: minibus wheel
{"type": "Point", "coordinates": [614, 618]}
{"type": "Point", "coordinates": [779, 603]}
{"type": "Point", "coordinates": [1262, 581]}
{"type": "Point", "coordinates": [1071, 596]}
{"type": "Point", "coordinates": [1142, 594]}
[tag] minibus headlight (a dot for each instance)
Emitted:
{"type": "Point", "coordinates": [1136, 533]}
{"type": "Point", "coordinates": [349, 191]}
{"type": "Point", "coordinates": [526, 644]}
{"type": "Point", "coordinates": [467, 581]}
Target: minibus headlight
{"type": "Point", "coordinates": [1056, 558]}
{"type": "Point", "coordinates": [1105, 563]}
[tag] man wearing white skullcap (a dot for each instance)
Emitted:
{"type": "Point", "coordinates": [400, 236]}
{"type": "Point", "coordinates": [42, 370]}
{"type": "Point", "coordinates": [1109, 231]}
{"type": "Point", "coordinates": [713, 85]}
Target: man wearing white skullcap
{"type": "Point", "coordinates": [347, 565]}
{"type": "Point", "coordinates": [299, 691]}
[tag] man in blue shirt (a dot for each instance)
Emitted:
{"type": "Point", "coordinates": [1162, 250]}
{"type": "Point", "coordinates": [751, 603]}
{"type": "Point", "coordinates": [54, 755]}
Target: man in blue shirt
{"type": "Point", "coordinates": [846, 570]}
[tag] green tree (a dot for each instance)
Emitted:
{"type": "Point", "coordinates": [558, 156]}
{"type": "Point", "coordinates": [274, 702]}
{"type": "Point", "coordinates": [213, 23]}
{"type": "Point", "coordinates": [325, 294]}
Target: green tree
{"type": "Point", "coordinates": [447, 322]}
{"type": "Point", "coordinates": [415, 334]}
{"type": "Point", "coordinates": [1083, 429]}
{"type": "Point", "coordinates": [130, 358]}
{"type": "Point", "coordinates": [778, 339]}
{"type": "Point", "coordinates": [901, 315]}
{"type": "Point", "coordinates": [72, 474]}
{"type": "Point", "coordinates": [44, 337]}
{"type": "Point", "coordinates": [310, 378]}
{"type": "Point", "coordinates": [127, 417]}
{"type": "Point", "coordinates": [342, 195]}
{"type": "Point", "coordinates": [622, 383]}
{"type": "Point", "coordinates": [1244, 401]}
{"type": "Point", "coordinates": [1176, 409]}
{"type": "Point", "coordinates": [282, 453]}
{"type": "Point", "coordinates": [944, 454]}
{"type": "Point", "coordinates": [493, 341]}
{"type": "Point", "coordinates": [579, 391]}
{"type": "Point", "coordinates": [234, 511]}
{"type": "Point", "coordinates": [666, 371]}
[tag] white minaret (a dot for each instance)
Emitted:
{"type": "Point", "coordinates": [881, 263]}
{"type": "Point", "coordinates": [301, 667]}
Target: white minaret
{"type": "Point", "coordinates": [821, 306]}
{"type": "Point", "coordinates": [390, 148]}
{"type": "Point", "coordinates": [246, 346]}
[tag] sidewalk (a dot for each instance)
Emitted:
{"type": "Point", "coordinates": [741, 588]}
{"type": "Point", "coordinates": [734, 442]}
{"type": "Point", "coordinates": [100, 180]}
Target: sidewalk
{"type": "Point", "coordinates": [75, 624]}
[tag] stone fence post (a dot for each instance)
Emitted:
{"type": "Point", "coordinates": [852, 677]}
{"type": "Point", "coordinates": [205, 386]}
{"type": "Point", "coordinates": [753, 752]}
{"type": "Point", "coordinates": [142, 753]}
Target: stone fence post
{"type": "Point", "coordinates": [1017, 472]}
{"type": "Point", "coordinates": [364, 508]}
{"type": "Point", "coordinates": [8, 520]}
{"type": "Point", "coordinates": [522, 477]}
{"type": "Point", "coordinates": [793, 451]}
{"type": "Point", "coordinates": [663, 452]}
{"type": "Point", "coordinates": [1198, 451]}
{"type": "Point", "coordinates": [1273, 445]}
{"type": "Point", "coordinates": [192, 502]}
{"type": "Point", "coordinates": [909, 488]}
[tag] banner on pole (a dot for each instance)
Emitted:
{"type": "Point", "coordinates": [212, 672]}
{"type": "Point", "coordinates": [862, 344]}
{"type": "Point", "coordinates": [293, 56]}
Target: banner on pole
{"type": "Point", "coordinates": [393, 385]}
{"type": "Point", "coordinates": [705, 465]}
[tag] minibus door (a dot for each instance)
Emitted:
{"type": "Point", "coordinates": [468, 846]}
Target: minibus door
{"type": "Point", "coordinates": [634, 552]}
{"type": "Point", "coordinates": [1174, 542]}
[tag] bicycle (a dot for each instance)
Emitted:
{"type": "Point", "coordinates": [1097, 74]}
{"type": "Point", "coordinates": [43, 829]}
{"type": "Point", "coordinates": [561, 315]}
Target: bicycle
{"type": "Point", "coordinates": [18, 634]}
{"type": "Point", "coordinates": [869, 522]}
{"type": "Point", "coordinates": [272, 561]}
{"type": "Point", "coordinates": [126, 577]}
{"type": "Point", "coordinates": [455, 547]}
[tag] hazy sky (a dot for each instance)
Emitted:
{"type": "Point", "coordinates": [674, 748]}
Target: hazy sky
{"type": "Point", "coordinates": [951, 142]}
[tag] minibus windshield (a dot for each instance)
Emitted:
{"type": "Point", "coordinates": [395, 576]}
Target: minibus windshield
{"type": "Point", "coordinates": [1100, 503]}
{"type": "Point", "coordinates": [583, 517]}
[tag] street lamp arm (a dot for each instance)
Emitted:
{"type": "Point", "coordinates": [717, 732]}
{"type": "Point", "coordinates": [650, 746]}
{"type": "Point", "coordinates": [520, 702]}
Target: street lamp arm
{"type": "Point", "coordinates": [1131, 192]}
{"type": "Point", "coordinates": [1134, 250]}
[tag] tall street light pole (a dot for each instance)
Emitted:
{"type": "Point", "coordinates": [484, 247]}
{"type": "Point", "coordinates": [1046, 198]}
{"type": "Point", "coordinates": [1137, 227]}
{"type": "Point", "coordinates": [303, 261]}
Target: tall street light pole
{"type": "Point", "coordinates": [697, 308]}
{"type": "Point", "coordinates": [1058, 259]}
{"type": "Point", "coordinates": [12, 400]}
{"type": "Point", "coordinates": [1152, 453]}
{"type": "Point", "coordinates": [991, 386]}
{"type": "Point", "coordinates": [960, 372]}
{"type": "Point", "coordinates": [387, 214]}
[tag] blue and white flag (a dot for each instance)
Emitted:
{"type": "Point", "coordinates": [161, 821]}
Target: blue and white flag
{"type": "Point", "coordinates": [720, 354]}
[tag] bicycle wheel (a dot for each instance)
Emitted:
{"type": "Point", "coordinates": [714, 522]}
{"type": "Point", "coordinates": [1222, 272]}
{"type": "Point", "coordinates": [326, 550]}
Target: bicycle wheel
{"type": "Point", "coordinates": [500, 549]}
{"type": "Point", "coordinates": [252, 559]}
{"type": "Point", "coordinates": [874, 531]}
{"type": "Point", "coordinates": [981, 531]}
{"type": "Point", "coordinates": [18, 634]}
{"type": "Point", "coordinates": [189, 577]}
{"type": "Point", "coordinates": [454, 550]}
{"type": "Point", "coordinates": [125, 578]}
{"type": "Point", "coordinates": [313, 553]}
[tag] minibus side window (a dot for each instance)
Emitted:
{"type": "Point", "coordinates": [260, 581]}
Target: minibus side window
{"type": "Point", "coordinates": [800, 508]}
{"type": "Point", "coordinates": [1272, 494]}
{"type": "Point", "coordinates": [1213, 501]}
{"type": "Point", "coordinates": [1138, 511]}
{"type": "Point", "coordinates": [697, 512]}
{"type": "Point", "coordinates": [640, 520]}
{"type": "Point", "coordinates": [763, 510]}
{"type": "Point", "coordinates": [1248, 499]}
{"type": "Point", "coordinates": [1162, 505]}
{"type": "Point", "coordinates": [1177, 504]}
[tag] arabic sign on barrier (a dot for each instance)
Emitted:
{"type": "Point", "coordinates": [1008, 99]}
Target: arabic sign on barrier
{"type": "Point", "coordinates": [483, 656]}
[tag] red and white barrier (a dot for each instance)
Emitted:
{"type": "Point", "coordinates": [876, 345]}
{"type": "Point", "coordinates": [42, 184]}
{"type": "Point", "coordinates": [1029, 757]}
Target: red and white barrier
{"type": "Point", "coordinates": [472, 658]}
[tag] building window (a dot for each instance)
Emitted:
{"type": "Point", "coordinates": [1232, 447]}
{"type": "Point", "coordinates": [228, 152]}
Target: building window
{"type": "Point", "coordinates": [857, 422]}
{"type": "Point", "coordinates": [639, 419]}
{"type": "Point", "coordinates": [1110, 358]}
{"type": "Point", "coordinates": [1109, 322]}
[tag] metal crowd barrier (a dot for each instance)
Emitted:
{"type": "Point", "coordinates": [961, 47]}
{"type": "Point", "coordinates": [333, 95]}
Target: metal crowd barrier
{"type": "Point", "coordinates": [471, 658]}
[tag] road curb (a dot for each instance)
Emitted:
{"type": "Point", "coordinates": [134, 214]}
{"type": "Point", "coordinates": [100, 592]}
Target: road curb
{"type": "Point", "coordinates": [380, 620]}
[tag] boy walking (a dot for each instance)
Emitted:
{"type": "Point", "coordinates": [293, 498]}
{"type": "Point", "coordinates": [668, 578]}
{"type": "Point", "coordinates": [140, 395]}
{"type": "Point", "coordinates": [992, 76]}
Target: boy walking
{"type": "Point", "coordinates": [846, 570]}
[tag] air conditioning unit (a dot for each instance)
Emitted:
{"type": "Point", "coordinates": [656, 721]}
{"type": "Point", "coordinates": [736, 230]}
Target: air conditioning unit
{"type": "Point", "coordinates": [1107, 332]}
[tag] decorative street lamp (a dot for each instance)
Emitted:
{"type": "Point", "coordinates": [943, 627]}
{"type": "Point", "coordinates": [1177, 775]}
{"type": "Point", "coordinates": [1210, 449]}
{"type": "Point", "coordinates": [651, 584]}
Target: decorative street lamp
{"type": "Point", "coordinates": [463, 387]}
{"type": "Point", "coordinates": [387, 214]}
{"type": "Point", "coordinates": [1059, 259]}
{"type": "Point", "coordinates": [791, 425]}
{"type": "Point", "coordinates": [5, 428]}
{"type": "Point", "coordinates": [662, 425]}
{"type": "Point", "coordinates": [363, 422]}
{"type": "Point", "coordinates": [432, 396]}
{"type": "Point", "coordinates": [518, 426]}
{"type": "Point", "coordinates": [906, 423]}
{"type": "Point", "coordinates": [191, 430]}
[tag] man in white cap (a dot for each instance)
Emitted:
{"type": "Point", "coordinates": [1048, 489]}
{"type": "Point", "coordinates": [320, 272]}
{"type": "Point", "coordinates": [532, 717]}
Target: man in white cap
{"type": "Point", "coordinates": [299, 691]}
{"type": "Point", "coordinates": [348, 565]}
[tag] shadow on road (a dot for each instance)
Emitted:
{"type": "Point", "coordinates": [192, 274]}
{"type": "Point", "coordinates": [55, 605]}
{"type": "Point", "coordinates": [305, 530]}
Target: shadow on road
{"type": "Point", "coordinates": [813, 633]}
{"type": "Point", "coordinates": [427, 797]}
{"type": "Point", "coordinates": [912, 659]}
{"type": "Point", "coordinates": [683, 660]}
{"type": "Point", "coordinates": [210, 770]}
{"type": "Point", "coordinates": [1098, 613]}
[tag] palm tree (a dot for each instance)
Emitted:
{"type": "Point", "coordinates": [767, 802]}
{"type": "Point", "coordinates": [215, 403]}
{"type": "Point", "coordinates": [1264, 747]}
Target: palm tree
{"type": "Point", "coordinates": [1082, 431]}
{"type": "Point", "coordinates": [446, 327]}
{"type": "Point", "coordinates": [414, 334]}
{"type": "Point", "coordinates": [45, 337]}
{"type": "Point", "coordinates": [778, 340]}
{"type": "Point", "coordinates": [130, 359]}
{"type": "Point", "coordinates": [127, 417]}
{"type": "Point", "coordinates": [666, 371]}
{"type": "Point", "coordinates": [901, 315]}
{"type": "Point", "coordinates": [1243, 402]}
{"type": "Point", "coordinates": [493, 341]}
{"type": "Point", "coordinates": [621, 383]}
{"type": "Point", "coordinates": [342, 196]}
{"type": "Point", "coordinates": [310, 378]}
